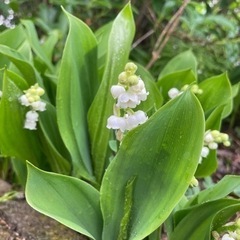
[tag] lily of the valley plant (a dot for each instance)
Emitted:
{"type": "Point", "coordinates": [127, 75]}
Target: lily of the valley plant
{"type": "Point", "coordinates": [112, 152]}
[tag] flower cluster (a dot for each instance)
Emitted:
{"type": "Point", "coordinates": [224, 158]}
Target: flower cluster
{"type": "Point", "coordinates": [174, 92]}
{"type": "Point", "coordinates": [211, 141]}
{"type": "Point", "coordinates": [231, 231]}
{"type": "Point", "coordinates": [32, 99]}
{"type": "Point", "coordinates": [129, 93]}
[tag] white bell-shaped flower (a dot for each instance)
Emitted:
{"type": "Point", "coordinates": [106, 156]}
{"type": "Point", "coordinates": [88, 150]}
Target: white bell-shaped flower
{"type": "Point", "coordinates": [135, 119]}
{"type": "Point", "coordinates": [24, 100]}
{"type": "Point", "coordinates": [127, 100]}
{"type": "Point", "coordinates": [205, 152]}
{"type": "Point", "coordinates": [117, 90]}
{"type": "Point", "coordinates": [173, 92]}
{"type": "Point", "coordinates": [227, 237]}
{"type": "Point", "coordinates": [213, 145]}
{"type": "Point", "coordinates": [39, 106]}
{"type": "Point", "coordinates": [31, 125]}
{"type": "Point", "coordinates": [32, 116]}
{"type": "Point", "coordinates": [115, 122]}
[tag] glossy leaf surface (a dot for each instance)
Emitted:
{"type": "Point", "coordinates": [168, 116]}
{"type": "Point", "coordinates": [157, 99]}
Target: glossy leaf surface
{"type": "Point", "coordinates": [80, 211]}
{"type": "Point", "coordinates": [75, 91]}
{"type": "Point", "coordinates": [150, 174]}
{"type": "Point", "coordinates": [182, 61]}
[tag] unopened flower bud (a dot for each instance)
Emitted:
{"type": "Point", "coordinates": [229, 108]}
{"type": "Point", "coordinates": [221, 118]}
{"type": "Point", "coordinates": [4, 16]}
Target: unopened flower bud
{"type": "Point", "coordinates": [40, 91]}
{"type": "Point", "coordinates": [133, 80]}
{"type": "Point", "coordinates": [224, 137]}
{"type": "Point", "coordinates": [226, 143]}
{"type": "Point", "coordinates": [215, 133]}
{"type": "Point", "coordinates": [130, 68]}
{"type": "Point", "coordinates": [185, 87]}
{"type": "Point", "coordinates": [31, 99]}
{"type": "Point", "coordinates": [122, 78]}
{"type": "Point", "coordinates": [194, 182]}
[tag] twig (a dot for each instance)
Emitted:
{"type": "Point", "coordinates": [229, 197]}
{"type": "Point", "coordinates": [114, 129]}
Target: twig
{"type": "Point", "coordinates": [165, 34]}
{"type": "Point", "coordinates": [142, 38]}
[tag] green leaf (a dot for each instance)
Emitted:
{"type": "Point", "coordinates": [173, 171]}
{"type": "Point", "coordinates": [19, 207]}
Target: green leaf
{"type": "Point", "coordinates": [16, 141]}
{"type": "Point", "coordinates": [24, 66]}
{"type": "Point", "coordinates": [155, 99]}
{"type": "Point", "coordinates": [119, 46]}
{"type": "Point", "coordinates": [175, 80]}
{"type": "Point", "coordinates": [32, 37]}
{"type": "Point", "coordinates": [52, 144]}
{"type": "Point", "coordinates": [102, 35]}
{"type": "Point", "coordinates": [79, 211]}
{"type": "Point", "coordinates": [76, 88]}
{"type": "Point", "coordinates": [198, 222]}
{"type": "Point", "coordinates": [220, 190]}
{"type": "Point", "coordinates": [216, 92]}
{"type": "Point", "coordinates": [12, 38]}
{"type": "Point", "coordinates": [182, 61]}
{"type": "Point", "coordinates": [162, 155]}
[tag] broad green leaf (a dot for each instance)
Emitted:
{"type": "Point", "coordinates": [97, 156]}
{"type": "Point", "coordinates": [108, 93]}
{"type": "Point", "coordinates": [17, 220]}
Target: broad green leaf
{"type": "Point", "coordinates": [75, 91]}
{"type": "Point", "coordinates": [50, 43]}
{"type": "Point", "coordinates": [16, 141]}
{"type": "Point", "coordinates": [198, 222]}
{"type": "Point", "coordinates": [68, 200]}
{"type": "Point", "coordinates": [175, 80]}
{"type": "Point", "coordinates": [21, 63]}
{"type": "Point", "coordinates": [119, 46]}
{"type": "Point", "coordinates": [216, 92]}
{"type": "Point", "coordinates": [32, 37]}
{"type": "Point", "coordinates": [161, 156]}
{"type": "Point", "coordinates": [182, 61]}
{"type": "Point", "coordinates": [52, 143]}
{"type": "Point", "coordinates": [102, 35]}
{"type": "Point", "coordinates": [220, 190]}
{"type": "Point", "coordinates": [12, 38]}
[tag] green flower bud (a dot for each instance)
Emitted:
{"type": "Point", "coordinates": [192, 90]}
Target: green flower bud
{"type": "Point", "coordinates": [194, 88]}
{"type": "Point", "coordinates": [130, 68]}
{"type": "Point", "coordinates": [133, 80]}
{"type": "Point", "coordinates": [215, 133]}
{"type": "Point", "coordinates": [185, 87]}
{"type": "Point", "coordinates": [194, 182]}
{"type": "Point", "coordinates": [224, 137]}
{"type": "Point", "coordinates": [40, 91]}
{"type": "Point", "coordinates": [31, 99]}
{"type": "Point", "coordinates": [226, 143]}
{"type": "Point", "coordinates": [32, 91]}
{"type": "Point", "coordinates": [122, 78]}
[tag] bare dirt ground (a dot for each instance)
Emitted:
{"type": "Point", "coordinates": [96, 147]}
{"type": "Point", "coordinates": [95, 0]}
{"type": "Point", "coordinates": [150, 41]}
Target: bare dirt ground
{"type": "Point", "coordinates": [19, 222]}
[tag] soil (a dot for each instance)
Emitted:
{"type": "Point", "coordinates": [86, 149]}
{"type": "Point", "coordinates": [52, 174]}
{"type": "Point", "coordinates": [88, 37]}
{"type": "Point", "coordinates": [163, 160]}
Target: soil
{"type": "Point", "coordinates": [18, 221]}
